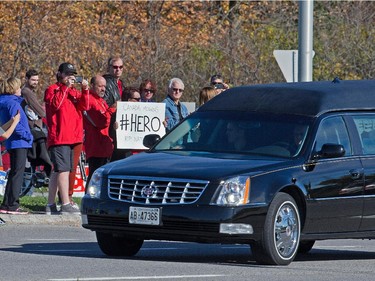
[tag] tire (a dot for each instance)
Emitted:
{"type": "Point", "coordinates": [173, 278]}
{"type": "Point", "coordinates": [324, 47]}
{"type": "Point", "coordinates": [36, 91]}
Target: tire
{"type": "Point", "coordinates": [112, 245]}
{"type": "Point", "coordinates": [28, 182]}
{"type": "Point", "coordinates": [305, 246]}
{"type": "Point", "coordinates": [281, 233]}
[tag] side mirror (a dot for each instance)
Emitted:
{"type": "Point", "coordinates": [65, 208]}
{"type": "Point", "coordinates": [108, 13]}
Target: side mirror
{"type": "Point", "coordinates": [150, 140]}
{"type": "Point", "coordinates": [330, 150]}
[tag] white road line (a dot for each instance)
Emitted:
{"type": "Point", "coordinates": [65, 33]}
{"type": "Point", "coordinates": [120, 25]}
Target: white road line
{"type": "Point", "coordinates": [138, 277]}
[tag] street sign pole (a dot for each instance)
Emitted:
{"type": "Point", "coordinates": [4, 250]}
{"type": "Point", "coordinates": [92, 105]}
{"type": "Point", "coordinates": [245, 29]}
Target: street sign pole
{"type": "Point", "coordinates": [299, 67]}
{"type": "Point", "coordinates": [305, 40]}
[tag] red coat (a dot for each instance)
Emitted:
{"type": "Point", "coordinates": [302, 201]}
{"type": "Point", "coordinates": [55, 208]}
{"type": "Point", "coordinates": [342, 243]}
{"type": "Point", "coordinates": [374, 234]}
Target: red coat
{"type": "Point", "coordinates": [98, 143]}
{"type": "Point", "coordinates": [64, 108]}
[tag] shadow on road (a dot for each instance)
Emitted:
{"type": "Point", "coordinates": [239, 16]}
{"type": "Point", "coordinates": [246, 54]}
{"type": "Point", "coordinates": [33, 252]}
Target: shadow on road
{"type": "Point", "coordinates": [239, 255]}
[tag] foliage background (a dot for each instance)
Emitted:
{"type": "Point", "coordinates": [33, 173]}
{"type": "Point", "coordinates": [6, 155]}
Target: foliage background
{"type": "Point", "coordinates": [188, 39]}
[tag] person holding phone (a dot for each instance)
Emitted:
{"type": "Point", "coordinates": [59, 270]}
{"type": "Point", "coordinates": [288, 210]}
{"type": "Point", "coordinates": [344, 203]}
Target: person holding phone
{"type": "Point", "coordinates": [64, 107]}
{"type": "Point", "coordinates": [217, 82]}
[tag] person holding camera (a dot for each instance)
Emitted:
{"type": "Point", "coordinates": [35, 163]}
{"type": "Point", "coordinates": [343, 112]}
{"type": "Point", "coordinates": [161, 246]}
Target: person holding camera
{"type": "Point", "coordinates": [64, 107]}
{"type": "Point", "coordinates": [217, 82]}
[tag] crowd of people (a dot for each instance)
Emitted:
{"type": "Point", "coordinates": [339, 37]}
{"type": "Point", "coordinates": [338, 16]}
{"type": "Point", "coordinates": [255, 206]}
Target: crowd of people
{"type": "Point", "coordinates": [74, 117]}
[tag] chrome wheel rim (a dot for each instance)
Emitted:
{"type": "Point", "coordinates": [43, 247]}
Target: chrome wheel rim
{"type": "Point", "coordinates": [287, 230]}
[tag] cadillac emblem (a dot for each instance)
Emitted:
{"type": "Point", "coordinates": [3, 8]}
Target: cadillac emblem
{"type": "Point", "coordinates": [149, 190]}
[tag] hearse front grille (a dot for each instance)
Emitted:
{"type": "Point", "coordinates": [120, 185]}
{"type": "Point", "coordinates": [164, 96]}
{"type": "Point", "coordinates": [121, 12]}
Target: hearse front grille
{"type": "Point", "coordinates": [150, 191]}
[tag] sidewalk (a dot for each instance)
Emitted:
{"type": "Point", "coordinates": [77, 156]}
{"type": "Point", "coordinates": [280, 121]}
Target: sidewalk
{"type": "Point", "coordinates": [37, 219]}
{"type": "Point", "coordinates": [40, 218]}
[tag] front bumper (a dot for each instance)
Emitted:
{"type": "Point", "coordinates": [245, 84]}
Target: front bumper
{"type": "Point", "coordinates": [190, 222]}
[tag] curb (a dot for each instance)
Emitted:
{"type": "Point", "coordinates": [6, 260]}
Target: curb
{"type": "Point", "coordinates": [41, 219]}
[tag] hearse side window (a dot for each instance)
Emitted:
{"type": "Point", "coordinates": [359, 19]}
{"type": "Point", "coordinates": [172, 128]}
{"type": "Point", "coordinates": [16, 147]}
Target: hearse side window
{"type": "Point", "coordinates": [333, 130]}
{"type": "Point", "coordinates": [366, 128]}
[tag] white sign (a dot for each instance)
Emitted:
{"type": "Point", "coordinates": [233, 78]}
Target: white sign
{"type": "Point", "coordinates": [136, 120]}
{"type": "Point", "coordinates": [190, 106]}
{"type": "Point", "coordinates": [288, 63]}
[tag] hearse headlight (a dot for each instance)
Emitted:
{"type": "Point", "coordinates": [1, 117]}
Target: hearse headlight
{"type": "Point", "coordinates": [234, 191]}
{"type": "Point", "coordinates": [93, 189]}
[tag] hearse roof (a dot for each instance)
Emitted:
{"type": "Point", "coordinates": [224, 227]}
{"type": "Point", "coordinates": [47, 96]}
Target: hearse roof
{"type": "Point", "coordinates": [304, 98]}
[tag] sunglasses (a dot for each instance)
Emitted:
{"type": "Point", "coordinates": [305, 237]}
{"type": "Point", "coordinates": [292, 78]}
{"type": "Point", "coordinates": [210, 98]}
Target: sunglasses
{"type": "Point", "coordinates": [149, 91]}
{"type": "Point", "coordinates": [117, 66]}
{"type": "Point", "coordinates": [137, 99]}
{"type": "Point", "coordinates": [178, 90]}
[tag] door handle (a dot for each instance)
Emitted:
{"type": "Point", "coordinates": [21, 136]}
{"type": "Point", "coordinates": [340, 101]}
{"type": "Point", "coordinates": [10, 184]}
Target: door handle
{"type": "Point", "coordinates": [356, 174]}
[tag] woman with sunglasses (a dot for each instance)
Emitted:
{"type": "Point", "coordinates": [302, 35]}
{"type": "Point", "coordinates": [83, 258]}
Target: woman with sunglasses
{"type": "Point", "coordinates": [148, 90]}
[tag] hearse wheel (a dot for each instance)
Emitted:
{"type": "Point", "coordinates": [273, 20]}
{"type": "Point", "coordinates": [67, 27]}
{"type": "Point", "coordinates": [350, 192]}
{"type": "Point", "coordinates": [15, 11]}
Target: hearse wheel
{"type": "Point", "coordinates": [281, 234]}
{"type": "Point", "coordinates": [117, 245]}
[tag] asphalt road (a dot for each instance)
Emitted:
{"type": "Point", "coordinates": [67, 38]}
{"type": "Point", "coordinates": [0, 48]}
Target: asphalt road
{"type": "Point", "coordinates": [51, 252]}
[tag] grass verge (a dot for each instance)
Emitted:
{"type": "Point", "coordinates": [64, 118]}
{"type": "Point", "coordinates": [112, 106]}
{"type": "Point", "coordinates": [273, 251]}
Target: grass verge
{"type": "Point", "coordinates": [37, 203]}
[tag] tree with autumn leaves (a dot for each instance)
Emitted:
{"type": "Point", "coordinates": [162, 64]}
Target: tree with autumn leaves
{"type": "Point", "coordinates": [187, 39]}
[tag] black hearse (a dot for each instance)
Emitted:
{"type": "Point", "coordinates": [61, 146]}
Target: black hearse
{"type": "Point", "coordinates": [275, 166]}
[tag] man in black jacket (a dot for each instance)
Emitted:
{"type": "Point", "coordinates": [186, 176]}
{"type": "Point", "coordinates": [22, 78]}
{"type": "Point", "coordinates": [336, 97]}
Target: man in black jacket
{"type": "Point", "coordinates": [113, 93]}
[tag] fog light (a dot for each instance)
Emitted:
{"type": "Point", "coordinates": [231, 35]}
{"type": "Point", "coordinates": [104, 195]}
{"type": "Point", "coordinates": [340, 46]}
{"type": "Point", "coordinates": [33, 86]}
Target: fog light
{"type": "Point", "coordinates": [236, 228]}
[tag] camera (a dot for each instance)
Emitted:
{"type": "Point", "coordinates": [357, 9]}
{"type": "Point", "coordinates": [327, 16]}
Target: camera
{"type": "Point", "coordinates": [219, 86]}
{"type": "Point", "coordinates": [78, 79]}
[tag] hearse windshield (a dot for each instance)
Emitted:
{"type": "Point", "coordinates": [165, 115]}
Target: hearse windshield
{"type": "Point", "coordinates": [272, 135]}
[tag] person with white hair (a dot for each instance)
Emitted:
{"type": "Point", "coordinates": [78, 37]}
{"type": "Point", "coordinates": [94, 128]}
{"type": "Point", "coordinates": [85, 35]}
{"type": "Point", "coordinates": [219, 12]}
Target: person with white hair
{"type": "Point", "coordinates": [175, 111]}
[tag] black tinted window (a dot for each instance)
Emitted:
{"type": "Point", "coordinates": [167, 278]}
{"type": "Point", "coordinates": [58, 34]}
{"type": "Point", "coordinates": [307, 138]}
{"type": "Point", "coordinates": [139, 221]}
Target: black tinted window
{"type": "Point", "coordinates": [239, 132]}
{"type": "Point", "coordinates": [366, 128]}
{"type": "Point", "coordinates": [332, 130]}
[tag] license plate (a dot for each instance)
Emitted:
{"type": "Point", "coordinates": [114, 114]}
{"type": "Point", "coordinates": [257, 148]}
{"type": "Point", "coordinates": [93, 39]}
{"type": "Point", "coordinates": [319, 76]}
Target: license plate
{"type": "Point", "coordinates": [140, 215]}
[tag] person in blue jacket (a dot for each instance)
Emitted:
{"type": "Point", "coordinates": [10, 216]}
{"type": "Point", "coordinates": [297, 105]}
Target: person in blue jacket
{"type": "Point", "coordinates": [17, 144]}
{"type": "Point", "coordinates": [175, 111]}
